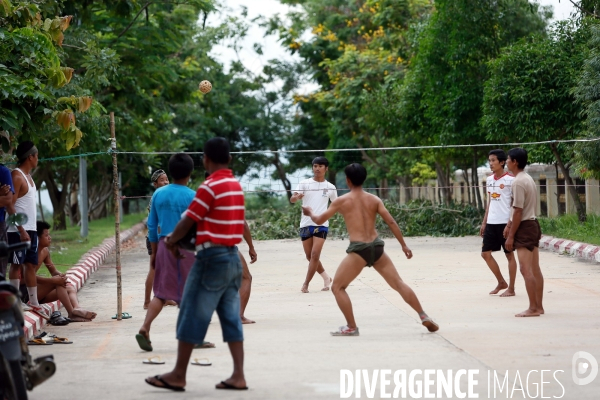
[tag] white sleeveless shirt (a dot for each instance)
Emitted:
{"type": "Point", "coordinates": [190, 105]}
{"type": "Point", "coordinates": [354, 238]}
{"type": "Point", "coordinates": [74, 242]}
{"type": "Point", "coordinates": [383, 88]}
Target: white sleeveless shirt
{"type": "Point", "coordinates": [28, 206]}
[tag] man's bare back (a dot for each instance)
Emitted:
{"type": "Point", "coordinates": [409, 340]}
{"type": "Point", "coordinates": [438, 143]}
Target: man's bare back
{"type": "Point", "coordinates": [359, 210]}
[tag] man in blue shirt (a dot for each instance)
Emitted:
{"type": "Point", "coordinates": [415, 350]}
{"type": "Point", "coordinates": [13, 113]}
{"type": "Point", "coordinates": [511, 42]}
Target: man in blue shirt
{"type": "Point", "coordinates": [170, 273]}
{"type": "Point", "coordinates": [6, 194]}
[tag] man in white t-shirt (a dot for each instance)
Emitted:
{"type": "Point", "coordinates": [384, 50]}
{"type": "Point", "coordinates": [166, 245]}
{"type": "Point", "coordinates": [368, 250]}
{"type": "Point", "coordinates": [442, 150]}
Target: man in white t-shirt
{"type": "Point", "coordinates": [315, 193]}
{"type": "Point", "coordinates": [497, 214]}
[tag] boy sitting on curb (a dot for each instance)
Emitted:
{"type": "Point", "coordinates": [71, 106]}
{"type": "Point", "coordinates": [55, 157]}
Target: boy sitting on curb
{"type": "Point", "coordinates": [57, 287]}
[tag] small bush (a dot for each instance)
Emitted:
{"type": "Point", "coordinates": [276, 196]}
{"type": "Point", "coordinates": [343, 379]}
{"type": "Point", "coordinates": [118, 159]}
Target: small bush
{"type": "Point", "coordinates": [417, 218]}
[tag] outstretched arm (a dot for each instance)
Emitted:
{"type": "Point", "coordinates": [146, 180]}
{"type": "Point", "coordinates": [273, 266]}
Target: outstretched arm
{"type": "Point", "coordinates": [391, 222]}
{"type": "Point", "coordinates": [248, 239]}
{"type": "Point", "coordinates": [320, 219]}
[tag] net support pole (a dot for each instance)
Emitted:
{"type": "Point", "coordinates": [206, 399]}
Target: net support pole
{"type": "Point", "coordinates": [113, 146]}
{"type": "Point", "coordinates": [83, 197]}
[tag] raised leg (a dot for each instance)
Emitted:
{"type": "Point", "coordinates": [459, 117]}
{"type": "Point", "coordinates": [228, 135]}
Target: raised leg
{"type": "Point", "coordinates": [154, 308]}
{"type": "Point", "coordinates": [386, 269]}
{"type": "Point", "coordinates": [148, 289]}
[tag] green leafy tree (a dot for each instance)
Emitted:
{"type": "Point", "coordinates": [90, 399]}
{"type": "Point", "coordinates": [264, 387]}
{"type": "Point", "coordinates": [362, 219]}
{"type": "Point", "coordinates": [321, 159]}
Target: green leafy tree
{"type": "Point", "coordinates": [529, 96]}
{"type": "Point", "coordinates": [587, 94]}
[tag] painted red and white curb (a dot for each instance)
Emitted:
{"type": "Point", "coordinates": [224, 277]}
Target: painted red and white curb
{"type": "Point", "coordinates": [78, 274]}
{"type": "Point", "coordinates": [585, 251]}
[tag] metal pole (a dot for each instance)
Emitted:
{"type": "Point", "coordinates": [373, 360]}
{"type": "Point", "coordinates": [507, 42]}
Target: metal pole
{"type": "Point", "coordinates": [113, 145]}
{"type": "Point", "coordinates": [83, 197]}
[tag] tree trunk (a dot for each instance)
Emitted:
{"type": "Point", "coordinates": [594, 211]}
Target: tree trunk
{"type": "Point", "coordinates": [570, 185]}
{"type": "Point", "coordinates": [468, 188]}
{"type": "Point", "coordinates": [282, 175]}
{"type": "Point", "coordinates": [383, 190]}
{"type": "Point", "coordinates": [58, 197]}
{"type": "Point", "coordinates": [475, 175]}
{"type": "Point", "coordinates": [332, 177]}
{"type": "Point", "coordinates": [444, 182]}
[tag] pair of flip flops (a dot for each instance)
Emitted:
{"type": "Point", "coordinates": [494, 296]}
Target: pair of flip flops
{"type": "Point", "coordinates": [156, 360]}
{"type": "Point", "coordinates": [57, 319]}
{"type": "Point", "coordinates": [166, 385]}
{"type": "Point", "coordinates": [124, 315]}
{"type": "Point", "coordinates": [44, 339]}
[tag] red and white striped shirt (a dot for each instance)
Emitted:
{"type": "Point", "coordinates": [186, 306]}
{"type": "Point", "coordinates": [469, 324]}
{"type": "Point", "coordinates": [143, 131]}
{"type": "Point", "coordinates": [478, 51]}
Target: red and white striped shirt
{"type": "Point", "coordinates": [218, 210]}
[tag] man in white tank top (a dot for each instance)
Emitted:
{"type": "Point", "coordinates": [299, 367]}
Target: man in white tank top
{"type": "Point", "coordinates": [25, 201]}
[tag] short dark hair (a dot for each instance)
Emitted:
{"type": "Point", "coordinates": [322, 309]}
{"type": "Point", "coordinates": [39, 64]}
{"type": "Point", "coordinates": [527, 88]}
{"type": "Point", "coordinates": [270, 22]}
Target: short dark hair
{"type": "Point", "coordinates": [519, 155]}
{"type": "Point", "coordinates": [500, 155]}
{"type": "Point", "coordinates": [41, 226]}
{"type": "Point", "coordinates": [356, 173]}
{"type": "Point", "coordinates": [320, 161]}
{"type": "Point", "coordinates": [217, 150]}
{"type": "Point", "coordinates": [181, 165]}
{"type": "Point", "coordinates": [206, 174]}
{"type": "Point", "coordinates": [23, 148]}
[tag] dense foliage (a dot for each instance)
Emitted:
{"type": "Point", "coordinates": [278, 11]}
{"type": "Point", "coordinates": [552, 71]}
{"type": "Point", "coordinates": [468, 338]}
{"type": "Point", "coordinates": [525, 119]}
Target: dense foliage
{"type": "Point", "coordinates": [417, 218]}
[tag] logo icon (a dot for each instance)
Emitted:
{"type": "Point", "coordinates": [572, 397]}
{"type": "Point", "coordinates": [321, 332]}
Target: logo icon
{"type": "Point", "coordinates": [502, 186]}
{"type": "Point", "coordinates": [495, 195]}
{"type": "Point", "coordinates": [584, 363]}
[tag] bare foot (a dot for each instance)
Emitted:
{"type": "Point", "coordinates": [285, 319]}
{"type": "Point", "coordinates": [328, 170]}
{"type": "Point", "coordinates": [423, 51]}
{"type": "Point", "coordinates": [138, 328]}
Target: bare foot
{"type": "Point", "coordinates": [528, 313]}
{"type": "Point", "coordinates": [541, 310]}
{"type": "Point", "coordinates": [247, 321]}
{"type": "Point", "coordinates": [169, 378]}
{"type": "Point", "coordinates": [231, 383]}
{"type": "Point", "coordinates": [508, 293]}
{"type": "Point", "coordinates": [170, 303]}
{"type": "Point", "coordinates": [304, 288]}
{"type": "Point", "coordinates": [500, 286]}
{"type": "Point", "coordinates": [78, 312]}
{"type": "Point", "coordinates": [327, 287]}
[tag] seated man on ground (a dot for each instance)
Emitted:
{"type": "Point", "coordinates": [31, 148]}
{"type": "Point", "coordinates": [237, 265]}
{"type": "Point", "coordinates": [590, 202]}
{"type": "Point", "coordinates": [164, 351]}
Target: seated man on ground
{"type": "Point", "coordinates": [57, 287]}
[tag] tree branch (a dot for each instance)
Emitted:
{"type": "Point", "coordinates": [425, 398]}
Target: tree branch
{"type": "Point", "coordinates": [584, 10]}
{"type": "Point", "coordinates": [132, 21]}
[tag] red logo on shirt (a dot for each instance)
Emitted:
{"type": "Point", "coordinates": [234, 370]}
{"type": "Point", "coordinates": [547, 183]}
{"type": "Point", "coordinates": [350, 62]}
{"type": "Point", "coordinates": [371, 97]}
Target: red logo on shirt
{"type": "Point", "coordinates": [501, 187]}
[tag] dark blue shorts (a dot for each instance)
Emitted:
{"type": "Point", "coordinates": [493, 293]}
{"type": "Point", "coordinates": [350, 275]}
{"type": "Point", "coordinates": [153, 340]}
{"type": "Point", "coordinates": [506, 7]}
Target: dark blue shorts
{"type": "Point", "coordinates": [30, 255]}
{"type": "Point", "coordinates": [313, 231]}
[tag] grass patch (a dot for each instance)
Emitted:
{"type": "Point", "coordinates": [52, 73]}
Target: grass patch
{"type": "Point", "coordinates": [67, 246]}
{"type": "Point", "coordinates": [568, 227]}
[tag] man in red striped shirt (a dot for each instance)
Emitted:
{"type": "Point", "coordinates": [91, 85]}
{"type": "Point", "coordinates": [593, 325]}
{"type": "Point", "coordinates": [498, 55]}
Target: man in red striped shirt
{"type": "Point", "coordinates": [217, 213]}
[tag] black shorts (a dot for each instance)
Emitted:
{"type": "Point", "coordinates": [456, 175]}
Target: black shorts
{"type": "Point", "coordinates": [30, 255]}
{"type": "Point", "coordinates": [313, 231]}
{"type": "Point", "coordinates": [148, 246]}
{"type": "Point", "coordinates": [493, 238]}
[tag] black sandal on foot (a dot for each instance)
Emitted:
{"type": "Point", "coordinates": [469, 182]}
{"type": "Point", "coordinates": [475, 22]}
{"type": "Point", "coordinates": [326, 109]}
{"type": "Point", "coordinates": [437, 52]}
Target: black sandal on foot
{"type": "Point", "coordinates": [230, 387]}
{"type": "Point", "coordinates": [166, 385]}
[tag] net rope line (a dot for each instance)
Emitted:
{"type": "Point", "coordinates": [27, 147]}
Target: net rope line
{"type": "Point", "coordinates": [375, 189]}
{"type": "Point", "coordinates": [587, 140]}
{"type": "Point", "coordinates": [110, 151]}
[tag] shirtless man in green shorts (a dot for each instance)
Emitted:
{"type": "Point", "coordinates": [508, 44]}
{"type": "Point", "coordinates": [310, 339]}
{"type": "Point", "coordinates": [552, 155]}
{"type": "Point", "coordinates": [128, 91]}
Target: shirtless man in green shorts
{"type": "Point", "coordinates": [359, 210]}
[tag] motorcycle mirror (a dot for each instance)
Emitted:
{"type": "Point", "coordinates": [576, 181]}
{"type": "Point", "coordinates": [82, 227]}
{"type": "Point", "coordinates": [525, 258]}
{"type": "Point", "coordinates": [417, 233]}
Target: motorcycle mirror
{"type": "Point", "coordinates": [17, 219]}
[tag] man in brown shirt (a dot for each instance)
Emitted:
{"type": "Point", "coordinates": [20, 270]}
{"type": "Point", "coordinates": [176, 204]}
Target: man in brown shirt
{"type": "Point", "coordinates": [523, 231]}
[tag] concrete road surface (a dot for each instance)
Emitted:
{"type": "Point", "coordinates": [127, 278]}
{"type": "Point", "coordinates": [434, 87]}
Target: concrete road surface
{"type": "Point", "coordinates": [480, 350]}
